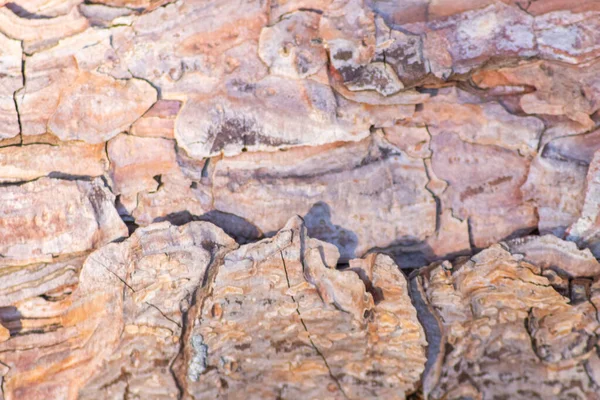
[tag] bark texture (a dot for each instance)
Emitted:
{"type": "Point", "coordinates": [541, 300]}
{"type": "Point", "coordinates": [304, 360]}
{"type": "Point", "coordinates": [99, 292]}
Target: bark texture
{"type": "Point", "coordinates": [282, 199]}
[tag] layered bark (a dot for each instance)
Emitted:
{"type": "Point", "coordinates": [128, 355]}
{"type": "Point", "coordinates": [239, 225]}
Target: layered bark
{"type": "Point", "coordinates": [152, 154]}
{"type": "Point", "coordinates": [451, 85]}
{"type": "Point", "coordinates": [509, 328]}
{"type": "Point", "coordinates": [178, 311]}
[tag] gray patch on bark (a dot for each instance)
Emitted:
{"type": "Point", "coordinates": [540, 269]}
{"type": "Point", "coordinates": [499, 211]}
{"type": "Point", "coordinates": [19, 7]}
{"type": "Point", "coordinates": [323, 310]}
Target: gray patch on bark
{"type": "Point", "coordinates": [199, 361]}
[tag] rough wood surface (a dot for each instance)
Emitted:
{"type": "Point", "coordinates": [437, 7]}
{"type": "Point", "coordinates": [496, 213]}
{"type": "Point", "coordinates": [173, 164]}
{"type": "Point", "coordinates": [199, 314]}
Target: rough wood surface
{"type": "Point", "coordinates": [225, 199]}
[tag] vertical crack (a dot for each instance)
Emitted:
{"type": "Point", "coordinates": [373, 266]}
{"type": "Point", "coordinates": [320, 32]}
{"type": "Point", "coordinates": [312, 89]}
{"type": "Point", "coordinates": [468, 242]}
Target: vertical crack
{"type": "Point", "coordinates": [18, 116]}
{"type": "Point", "coordinates": [436, 199]}
{"type": "Point", "coordinates": [204, 173]}
{"type": "Point", "coordinates": [428, 165]}
{"type": "Point", "coordinates": [333, 377]}
{"type": "Point", "coordinates": [433, 332]}
{"type": "Point", "coordinates": [7, 368]}
{"type": "Point", "coordinates": [471, 237]}
{"type": "Point", "coordinates": [16, 92]}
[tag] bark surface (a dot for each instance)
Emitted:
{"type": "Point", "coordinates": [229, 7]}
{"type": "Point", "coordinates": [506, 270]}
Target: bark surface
{"type": "Point", "coordinates": [324, 199]}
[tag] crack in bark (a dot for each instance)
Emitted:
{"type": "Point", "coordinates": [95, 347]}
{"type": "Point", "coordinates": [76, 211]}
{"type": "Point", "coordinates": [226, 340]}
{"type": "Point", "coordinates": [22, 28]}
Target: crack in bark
{"type": "Point", "coordinates": [471, 236]}
{"type": "Point", "coordinates": [163, 314]}
{"type": "Point", "coordinates": [16, 92]}
{"type": "Point", "coordinates": [149, 82]}
{"type": "Point", "coordinates": [118, 277]}
{"type": "Point", "coordinates": [2, 379]}
{"type": "Point", "coordinates": [439, 209]}
{"type": "Point", "coordinates": [431, 327]}
{"type": "Point", "coordinates": [333, 377]}
{"type": "Point", "coordinates": [524, 281]}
